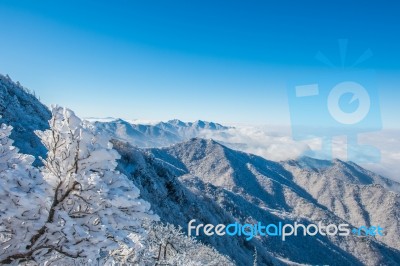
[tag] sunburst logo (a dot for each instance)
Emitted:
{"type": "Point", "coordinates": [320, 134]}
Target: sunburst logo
{"type": "Point", "coordinates": [335, 102]}
{"type": "Point", "coordinates": [359, 96]}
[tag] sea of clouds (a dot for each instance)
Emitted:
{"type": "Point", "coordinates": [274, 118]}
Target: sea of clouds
{"type": "Point", "coordinates": [277, 144]}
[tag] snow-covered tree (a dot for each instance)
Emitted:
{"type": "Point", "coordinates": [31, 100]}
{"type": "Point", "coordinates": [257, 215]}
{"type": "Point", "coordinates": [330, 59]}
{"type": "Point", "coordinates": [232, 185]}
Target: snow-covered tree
{"type": "Point", "coordinates": [255, 262]}
{"type": "Point", "coordinates": [90, 206]}
{"type": "Point", "coordinates": [23, 202]}
{"type": "Point", "coordinates": [167, 245]}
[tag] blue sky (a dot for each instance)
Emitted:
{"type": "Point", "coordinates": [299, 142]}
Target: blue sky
{"type": "Point", "coordinates": [226, 61]}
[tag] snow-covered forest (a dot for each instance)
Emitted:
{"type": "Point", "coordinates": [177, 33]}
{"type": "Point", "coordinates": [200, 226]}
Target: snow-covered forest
{"type": "Point", "coordinates": [77, 208]}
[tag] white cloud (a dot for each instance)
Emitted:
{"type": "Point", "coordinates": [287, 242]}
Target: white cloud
{"type": "Point", "coordinates": [274, 144]}
{"type": "Point", "coordinates": [277, 144]}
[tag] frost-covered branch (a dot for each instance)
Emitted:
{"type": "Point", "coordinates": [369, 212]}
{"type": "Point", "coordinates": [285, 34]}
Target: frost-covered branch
{"type": "Point", "coordinates": [168, 245]}
{"type": "Point", "coordinates": [77, 206]}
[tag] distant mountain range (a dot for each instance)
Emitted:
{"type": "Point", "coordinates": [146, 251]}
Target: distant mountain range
{"type": "Point", "coordinates": [158, 135]}
{"type": "Point", "coordinates": [185, 177]}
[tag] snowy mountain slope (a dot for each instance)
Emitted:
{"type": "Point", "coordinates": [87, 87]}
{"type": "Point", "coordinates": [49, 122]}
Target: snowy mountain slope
{"type": "Point", "coordinates": [346, 171]}
{"type": "Point", "coordinates": [178, 200]}
{"type": "Point", "coordinates": [158, 135]}
{"type": "Point", "coordinates": [352, 193]}
{"type": "Point", "coordinates": [224, 167]}
{"type": "Point", "coordinates": [22, 110]}
{"type": "Point", "coordinates": [213, 184]}
{"type": "Point", "coordinates": [177, 204]}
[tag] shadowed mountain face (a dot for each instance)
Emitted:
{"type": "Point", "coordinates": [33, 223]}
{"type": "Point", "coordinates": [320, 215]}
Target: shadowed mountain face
{"type": "Point", "coordinates": [22, 110]}
{"type": "Point", "coordinates": [203, 180]}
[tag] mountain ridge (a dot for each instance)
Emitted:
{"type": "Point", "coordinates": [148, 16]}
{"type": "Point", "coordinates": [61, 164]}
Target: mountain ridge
{"type": "Point", "coordinates": [203, 161]}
